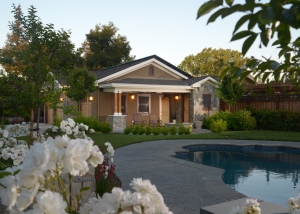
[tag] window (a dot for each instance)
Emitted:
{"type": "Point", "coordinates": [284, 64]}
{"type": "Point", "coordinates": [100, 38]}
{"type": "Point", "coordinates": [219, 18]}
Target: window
{"type": "Point", "coordinates": [151, 71]}
{"type": "Point", "coordinates": [206, 103]}
{"type": "Point", "coordinates": [144, 103]}
{"type": "Point", "coordinates": [123, 104]}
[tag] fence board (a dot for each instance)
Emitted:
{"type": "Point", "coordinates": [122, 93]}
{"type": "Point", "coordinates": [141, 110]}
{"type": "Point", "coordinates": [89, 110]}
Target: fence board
{"type": "Point", "coordinates": [273, 102]}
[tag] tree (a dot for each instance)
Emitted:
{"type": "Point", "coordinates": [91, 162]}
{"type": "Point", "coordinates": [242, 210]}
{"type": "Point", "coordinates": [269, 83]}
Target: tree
{"type": "Point", "coordinates": [103, 47]}
{"type": "Point", "coordinates": [272, 19]}
{"type": "Point", "coordinates": [230, 91]}
{"type": "Point", "coordinates": [211, 61]}
{"type": "Point", "coordinates": [81, 82]}
{"type": "Point", "coordinates": [32, 56]}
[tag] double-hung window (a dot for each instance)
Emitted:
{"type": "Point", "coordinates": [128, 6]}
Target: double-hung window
{"type": "Point", "coordinates": [206, 101]}
{"type": "Point", "coordinates": [144, 103]}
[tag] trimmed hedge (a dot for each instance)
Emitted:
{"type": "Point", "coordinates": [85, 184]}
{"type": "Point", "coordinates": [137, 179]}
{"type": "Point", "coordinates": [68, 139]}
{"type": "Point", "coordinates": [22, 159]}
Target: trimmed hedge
{"type": "Point", "coordinates": [280, 120]}
{"type": "Point", "coordinates": [93, 123]}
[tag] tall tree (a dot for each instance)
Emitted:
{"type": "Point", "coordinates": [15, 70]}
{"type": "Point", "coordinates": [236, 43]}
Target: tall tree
{"type": "Point", "coordinates": [230, 91]}
{"type": "Point", "coordinates": [32, 53]}
{"type": "Point", "coordinates": [81, 82]}
{"type": "Point", "coordinates": [274, 20]}
{"type": "Point", "coordinates": [212, 61]}
{"type": "Point", "coordinates": [103, 47]}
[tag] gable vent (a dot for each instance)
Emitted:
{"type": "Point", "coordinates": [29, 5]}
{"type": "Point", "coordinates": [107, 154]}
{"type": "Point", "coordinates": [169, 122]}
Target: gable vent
{"type": "Point", "coordinates": [151, 71]}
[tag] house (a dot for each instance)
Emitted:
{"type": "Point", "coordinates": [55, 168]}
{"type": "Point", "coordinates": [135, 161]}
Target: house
{"type": "Point", "coordinates": [148, 87]}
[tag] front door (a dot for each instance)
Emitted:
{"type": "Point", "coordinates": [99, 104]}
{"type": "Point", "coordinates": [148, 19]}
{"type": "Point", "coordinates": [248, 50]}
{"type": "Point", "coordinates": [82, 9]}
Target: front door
{"type": "Point", "coordinates": [186, 108]}
{"type": "Point", "coordinates": [165, 110]}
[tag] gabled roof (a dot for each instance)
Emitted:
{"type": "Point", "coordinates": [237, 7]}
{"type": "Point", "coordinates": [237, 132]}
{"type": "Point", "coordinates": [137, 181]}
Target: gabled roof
{"type": "Point", "coordinates": [115, 69]}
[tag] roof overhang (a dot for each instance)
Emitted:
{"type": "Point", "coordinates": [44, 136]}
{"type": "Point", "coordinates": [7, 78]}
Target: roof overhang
{"type": "Point", "coordinates": [121, 87]}
{"type": "Point", "coordinates": [152, 61]}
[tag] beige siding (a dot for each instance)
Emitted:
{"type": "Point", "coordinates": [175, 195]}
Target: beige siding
{"type": "Point", "coordinates": [105, 104]}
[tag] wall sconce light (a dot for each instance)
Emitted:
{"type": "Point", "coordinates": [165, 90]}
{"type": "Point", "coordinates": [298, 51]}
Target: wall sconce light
{"type": "Point", "coordinates": [61, 99]}
{"type": "Point", "coordinates": [91, 98]}
{"type": "Point", "coordinates": [132, 97]}
{"type": "Point", "coordinates": [176, 97]}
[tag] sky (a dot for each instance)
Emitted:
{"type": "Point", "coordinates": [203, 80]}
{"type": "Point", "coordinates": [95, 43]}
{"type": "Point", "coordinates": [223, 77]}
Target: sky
{"type": "Point", "coordinates": [166, 28]}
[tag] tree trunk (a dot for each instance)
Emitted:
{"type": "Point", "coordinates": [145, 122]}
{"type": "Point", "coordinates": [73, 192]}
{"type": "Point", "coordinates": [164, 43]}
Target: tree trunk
{"type": "Point", "coordinates": [31, 126]}
{"type": "Point", "coordinates": [38, 121]}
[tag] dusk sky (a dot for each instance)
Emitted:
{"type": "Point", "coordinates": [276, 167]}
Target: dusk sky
{"type": "Point", "coordinates": [166, 28]}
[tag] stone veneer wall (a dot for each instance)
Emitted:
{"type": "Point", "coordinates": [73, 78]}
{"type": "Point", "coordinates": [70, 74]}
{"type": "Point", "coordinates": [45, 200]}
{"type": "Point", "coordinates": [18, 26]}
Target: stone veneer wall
{"type": "Point", "coordinates": [117, 122]}
{"type": "Point", "coordinates": [197, 111]}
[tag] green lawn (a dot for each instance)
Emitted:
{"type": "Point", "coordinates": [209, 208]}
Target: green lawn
{"type": "Point", "coordinates": [119, 140]}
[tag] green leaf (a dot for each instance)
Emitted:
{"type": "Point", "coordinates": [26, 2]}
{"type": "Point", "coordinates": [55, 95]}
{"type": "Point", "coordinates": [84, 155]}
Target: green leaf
{"type": "Point", "coordinates": [224, 72]}
{"type": "Point", "coordinates": [265, 76]}
{"type": "Point", "coordinates": [276, 43]}
{"type": "Point", "coordinates": [16, 172]}
{"type": "Point", "coordinates": [214, 16]}
{"type": "Point", "coordinates": [229, 2]}
{"type": "Point", "coordinates": [242, 34]}
{"type": "Point", "coordinates": [264, 38]}
{"type": "Point", "coordinates": [3, 174]}
{"type": "Point", "coordinates": [284, 34]}
{"type": "Point", "coordinates": [244, 75]}
{"type": "Point", "coordinates": [207, 7]}
{"type": "Point", "coordinates": [248, 42]}
{"type": "Point", "coordinates": [249, 7]}
{"type": "Point", "coordinates": [230, 10]}
{"type": "Point", "coordinates": [241, 22]}
{"type": "Point", "coordinates": [267, 16]}
{"type": "Point", "coordinates": [82, 189]}
{"type": "Point", "coordinates": [253, 21]}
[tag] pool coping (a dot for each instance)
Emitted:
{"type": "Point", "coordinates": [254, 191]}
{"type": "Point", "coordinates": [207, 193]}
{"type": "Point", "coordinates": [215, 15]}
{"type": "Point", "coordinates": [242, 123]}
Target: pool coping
{"type": "Point", "coordinates": [211, 177]}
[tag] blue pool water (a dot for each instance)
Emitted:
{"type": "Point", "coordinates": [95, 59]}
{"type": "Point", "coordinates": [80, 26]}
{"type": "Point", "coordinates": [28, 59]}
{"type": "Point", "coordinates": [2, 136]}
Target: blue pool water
{"type": "Point", "coordinates": [267, 173]}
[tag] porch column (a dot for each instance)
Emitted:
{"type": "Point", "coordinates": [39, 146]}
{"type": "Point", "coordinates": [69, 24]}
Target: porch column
{"type": "Point", "coordinates": [119, 102]}
{"type": "Point", "coordinates": [116, 103]}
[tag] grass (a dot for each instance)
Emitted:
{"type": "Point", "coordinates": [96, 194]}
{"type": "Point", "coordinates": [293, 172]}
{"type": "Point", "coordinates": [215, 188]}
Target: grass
{"type": "Point", "coordinates": [120, 140]}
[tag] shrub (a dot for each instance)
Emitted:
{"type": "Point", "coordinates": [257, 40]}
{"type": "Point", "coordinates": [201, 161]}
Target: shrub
{"type": "Point", "coordinates": [181, 129]}
{"type": "Point", "coordinates": [142, 130]}
{"type": "Point", "coordinates": [104, 127]}
{"type": "Point", "coordinates": [165, 130]}
{"type": "Point", "coordinates": [187, 130]}
{"type": "Point", "coordinates": [281, 120]}
{"type": "Point", "coordinates": [128, 129]}
{"type": "Point", "coordinates": [5, 122]}
{"type": "Point", "coordinates": [218, 126]}
{"type": "Point", "coordinates": [224, 115]}
{"type": "Point", "coordinates": [156, 130]}
{"type": "Point", "coordinates": [241, 121]}
{"type": "Point", "coordinates": [135, 129]}
{"type": "Point", "coordinates": [173, 130]}
{"type": "Point", "coordinates": [93, 123]}
{"type": "Point", "coordinates": [148, 130]}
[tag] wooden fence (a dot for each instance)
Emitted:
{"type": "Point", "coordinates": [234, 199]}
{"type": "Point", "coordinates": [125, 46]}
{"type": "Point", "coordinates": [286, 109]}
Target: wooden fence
{"type": "Point", "coordinates": [272, 102]}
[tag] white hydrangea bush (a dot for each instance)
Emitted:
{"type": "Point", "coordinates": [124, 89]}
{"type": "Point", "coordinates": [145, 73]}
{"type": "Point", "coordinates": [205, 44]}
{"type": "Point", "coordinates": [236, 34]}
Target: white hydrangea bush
{"type": "Point", "coordinates": [12, 151]}
{"type": "Point", "coordinates": [18, 129]}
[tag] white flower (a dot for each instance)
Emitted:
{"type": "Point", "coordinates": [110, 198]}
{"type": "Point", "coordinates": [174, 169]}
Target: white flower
{"type": "Point", "coordinates": [88, 207]}
{"type": "Point", "coordinates": [68, 130]}
{"type": "Point", "coordinates": [9, 194]}
{"type": "Point", "coordinates": [75, 157]}
{"type": "Point", "coordinates": [5, 134]}
{"type": "Point", "coordinates": [54, 129]}
{"type": "Point", "coordinates": [91, 131]}
{"type": "Point", "coordinates": [26, 197]}
{"type": "Point", "coordinates": [96, 156]}
{"type": "Point", "coordinates": [50, 203]}
{"type": "Point", "coordinates": [60, 142]}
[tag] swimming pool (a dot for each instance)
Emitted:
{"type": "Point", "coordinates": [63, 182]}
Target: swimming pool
{"type": "Point", "coordinates": [267, 173]}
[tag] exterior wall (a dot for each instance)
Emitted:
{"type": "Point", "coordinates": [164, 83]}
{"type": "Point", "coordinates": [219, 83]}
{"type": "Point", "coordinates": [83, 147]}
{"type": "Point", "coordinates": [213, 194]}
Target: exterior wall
{"type": "Point", "coordinates": [104, 104]}
{"type": "Point", "coordinates": [143, 73]}
{"type": "Point", "coordinates": [132, 107]}
{"type": "Point", "coordinates": [198, 111]}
